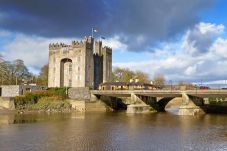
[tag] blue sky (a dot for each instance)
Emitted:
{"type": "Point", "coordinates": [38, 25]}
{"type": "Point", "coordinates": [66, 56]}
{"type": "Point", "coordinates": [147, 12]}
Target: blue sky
{"type": "Point", "coordinates": [183, 40]}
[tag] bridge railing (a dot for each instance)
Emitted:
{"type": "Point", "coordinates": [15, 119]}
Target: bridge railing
{"type": "Point", "coordinates": [196, 87]}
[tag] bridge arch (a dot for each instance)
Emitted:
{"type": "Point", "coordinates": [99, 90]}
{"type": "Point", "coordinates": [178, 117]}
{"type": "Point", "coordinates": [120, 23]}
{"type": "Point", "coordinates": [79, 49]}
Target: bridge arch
{"type": "Point", "coordinates": [163, 102]}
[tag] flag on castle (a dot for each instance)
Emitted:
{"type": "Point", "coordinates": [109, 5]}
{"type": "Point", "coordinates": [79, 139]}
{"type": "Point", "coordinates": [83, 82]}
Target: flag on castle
{"type": "Point", "coordinates": [94, 30]}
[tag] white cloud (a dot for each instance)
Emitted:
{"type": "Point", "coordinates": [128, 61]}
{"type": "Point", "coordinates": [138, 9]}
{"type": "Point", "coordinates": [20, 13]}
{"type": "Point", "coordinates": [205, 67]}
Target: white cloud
{"type": "Point", "coordinates": [115, 43]}
{"type": "Point", "coordinates": [197, 41]}
{"type": "Point", "coordinates": [33, 50]}
{"type": "Point", "coordinates": [191, 70]}
{"type": "Point", "coordinates": [200, 55]}
{"type": "Point", "coordinates": [219, 48]}
{"type": "Point", "coordinates": [208, 28]}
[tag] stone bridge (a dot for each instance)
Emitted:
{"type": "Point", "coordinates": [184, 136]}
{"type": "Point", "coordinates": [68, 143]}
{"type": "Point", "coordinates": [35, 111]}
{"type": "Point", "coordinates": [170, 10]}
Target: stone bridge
{"type": "Point", "coordinates": [193, 101]}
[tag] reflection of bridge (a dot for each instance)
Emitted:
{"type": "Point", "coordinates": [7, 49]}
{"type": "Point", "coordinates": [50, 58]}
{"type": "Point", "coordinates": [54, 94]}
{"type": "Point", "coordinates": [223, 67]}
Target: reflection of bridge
{"type": "Point", "coordinates": [193, 101]}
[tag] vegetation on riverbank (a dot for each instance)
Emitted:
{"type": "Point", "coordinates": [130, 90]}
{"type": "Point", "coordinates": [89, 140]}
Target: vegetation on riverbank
{"type": "Point", "coordinates": [53, 99]}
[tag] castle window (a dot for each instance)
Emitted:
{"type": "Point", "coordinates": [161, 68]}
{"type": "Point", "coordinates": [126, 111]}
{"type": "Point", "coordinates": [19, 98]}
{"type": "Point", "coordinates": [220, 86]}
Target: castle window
{"type": "Point", "coordinates": [78, 77]}
{"type": "Point", "coordinates": [70, 67]}
{"type": "Point", "coordinates": [78, 69]}
{"type": "Point", "coordinates": [78, 59]}
{"type": "Point", "coordinates": [70, 82]}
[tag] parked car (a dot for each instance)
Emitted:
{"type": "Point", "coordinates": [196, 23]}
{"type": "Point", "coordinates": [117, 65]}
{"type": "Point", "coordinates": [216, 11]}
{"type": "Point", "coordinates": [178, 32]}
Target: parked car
{"type": "Point", "coordinates": [203, 88]}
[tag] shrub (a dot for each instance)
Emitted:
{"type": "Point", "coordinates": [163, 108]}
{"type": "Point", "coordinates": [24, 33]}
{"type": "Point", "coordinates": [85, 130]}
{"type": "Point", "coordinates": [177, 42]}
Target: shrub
{"type": "Point", "coordinates": [60, 93]}
{"type": "Point", "coordinates": [21, 102]}
{"type": "Point", "coordinates": [30, 98]}
{"type": "Point", "coordinates": [50, 103]}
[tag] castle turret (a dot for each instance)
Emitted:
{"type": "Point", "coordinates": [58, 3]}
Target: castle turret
{"type": "Point", "coordinates": [98, 48]}
{"type": "Point", "coordinates": [107, 64]}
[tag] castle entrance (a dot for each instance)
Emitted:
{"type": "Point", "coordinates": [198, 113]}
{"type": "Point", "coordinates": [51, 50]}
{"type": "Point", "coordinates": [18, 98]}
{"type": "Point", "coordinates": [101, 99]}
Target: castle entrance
{"type": "Point", "coordinates": [66, 73]}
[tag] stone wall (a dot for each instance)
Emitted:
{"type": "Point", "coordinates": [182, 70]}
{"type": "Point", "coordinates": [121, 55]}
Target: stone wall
{"type": "Point", "coordinates": [82, 106]}
{"type": "Point", "coordinates": [7, 103]}
{"type": "Point", "coordinates": [16, 90]}
{"type": "Point", "coordinates": [79, 93]}
{"type": "Point", "coordinates": [10, 90]}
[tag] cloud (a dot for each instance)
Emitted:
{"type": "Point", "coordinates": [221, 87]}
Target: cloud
{"type": "Point", "coordinates": [140, 24]}
{"type": "Point", "coordinates": [32, 50]}
{"type": "Point", "coordinates": [199, 39]}
{"type": "Point", "coordinates": [115, 43]}
{"type": "Point", "coordinates": [183, 64]}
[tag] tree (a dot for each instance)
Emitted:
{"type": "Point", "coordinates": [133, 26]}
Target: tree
{"type": "Point", "coordinates": [125, 74]}
{"type": "Point", "coordinates": [42, 79]}
{"type": "Point", "coordinates": [13, 72]}
{"type": "Point", "coordinates": [159, 81]}
{"type": "Point", "coordinates": [143, 77]}
{"type": "Point", "coordinates": [20, 71]}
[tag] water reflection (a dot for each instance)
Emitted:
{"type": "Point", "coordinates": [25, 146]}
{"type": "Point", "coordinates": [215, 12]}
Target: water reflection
{"type": "Point", "coordinates": [113, 131]}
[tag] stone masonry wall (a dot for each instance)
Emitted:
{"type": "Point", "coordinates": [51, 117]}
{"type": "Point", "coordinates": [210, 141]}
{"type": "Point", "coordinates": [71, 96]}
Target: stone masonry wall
{"type": "Point", "coordinates": [16, 90]}
{"type": "Point", "coordinates": [79, 93]}
{"type": "Point", "coordinates": [10, 90]}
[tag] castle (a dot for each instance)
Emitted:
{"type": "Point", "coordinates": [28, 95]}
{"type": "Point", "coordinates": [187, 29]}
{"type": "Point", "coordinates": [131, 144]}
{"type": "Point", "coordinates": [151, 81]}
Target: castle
{"type": "Point", "coordinates": [82, 64]}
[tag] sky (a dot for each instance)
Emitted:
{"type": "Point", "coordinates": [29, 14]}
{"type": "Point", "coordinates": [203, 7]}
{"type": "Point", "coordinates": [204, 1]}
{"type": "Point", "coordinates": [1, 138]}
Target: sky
{"type": "Point", "coordinates": [180, 39]}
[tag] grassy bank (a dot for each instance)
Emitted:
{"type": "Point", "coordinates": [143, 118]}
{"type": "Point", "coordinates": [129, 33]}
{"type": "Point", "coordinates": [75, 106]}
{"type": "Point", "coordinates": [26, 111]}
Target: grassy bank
{"type": "Point", "coordinates": [53, 100]}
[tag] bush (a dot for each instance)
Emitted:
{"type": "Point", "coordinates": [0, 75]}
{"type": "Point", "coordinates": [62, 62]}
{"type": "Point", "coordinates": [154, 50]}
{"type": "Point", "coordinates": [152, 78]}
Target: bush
{"type": "Point", "coordinates": [50, 103]}
{"type": "Point", "coordinates": [60, 93]}
{"type": "Point", "coordinates": [28, 99]}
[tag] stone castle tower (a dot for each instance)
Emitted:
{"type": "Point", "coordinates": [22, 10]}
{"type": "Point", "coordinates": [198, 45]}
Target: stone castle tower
{"type": "Point", "coordinates": [79, 64]}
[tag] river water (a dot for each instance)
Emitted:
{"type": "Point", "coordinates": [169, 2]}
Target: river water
{"type": "Point", "coordinates": [112, 132]}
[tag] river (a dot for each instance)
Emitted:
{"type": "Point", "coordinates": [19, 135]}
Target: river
{"type": "Point", "coordinates": [112, 132]}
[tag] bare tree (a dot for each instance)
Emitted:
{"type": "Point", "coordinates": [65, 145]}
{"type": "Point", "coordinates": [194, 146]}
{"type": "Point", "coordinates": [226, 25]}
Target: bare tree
{"type": "Point", "coordinates": [159, 81]}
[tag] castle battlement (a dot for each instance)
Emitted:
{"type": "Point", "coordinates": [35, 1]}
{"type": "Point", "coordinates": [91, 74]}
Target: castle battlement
{"type": "Point", "coordinates": [78, 43]}
{"type": "Point", "coordinates": [57, 45]}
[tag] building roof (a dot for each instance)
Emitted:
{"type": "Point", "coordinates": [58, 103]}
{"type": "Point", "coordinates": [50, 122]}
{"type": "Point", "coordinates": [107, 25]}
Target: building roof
{"type": "Point", "coordinates": [125, 84]}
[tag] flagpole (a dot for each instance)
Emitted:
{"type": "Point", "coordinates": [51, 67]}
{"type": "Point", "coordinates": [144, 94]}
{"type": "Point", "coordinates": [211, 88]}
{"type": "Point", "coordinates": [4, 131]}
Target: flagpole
{"type": "Point", "coordinates": [92, 30]}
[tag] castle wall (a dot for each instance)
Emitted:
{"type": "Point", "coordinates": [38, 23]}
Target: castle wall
{"type": "Point", "coordinates": [98, 70]}
{"type": "Point", "coordinates": [107, 64]}
{"type": "Point", "coordinates": [89, 74]}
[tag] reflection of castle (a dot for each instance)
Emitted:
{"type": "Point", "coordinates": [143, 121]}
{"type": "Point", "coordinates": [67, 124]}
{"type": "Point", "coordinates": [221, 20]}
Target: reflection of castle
{"type": "Point", "coordinates": [77, 65]}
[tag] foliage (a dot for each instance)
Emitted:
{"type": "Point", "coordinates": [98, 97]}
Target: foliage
{"type": "Point", "coordinates": [159, 81]}
{"type": "Point", "coordinates": [125, 74]}
{"type": "Point", "coordinates": [50, 103]}
{"type": "Point", "coordinates": [22, 102]}
{"type": "Point", "coordinates": [61, 93]}
{"type": "Point", "coordinates": [14, 72]}
{"type": "Point", "coordinates": [42, 78]}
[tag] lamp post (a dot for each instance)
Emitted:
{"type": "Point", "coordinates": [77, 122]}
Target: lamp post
{"type": "Point", "coordinates": [171, 84]}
